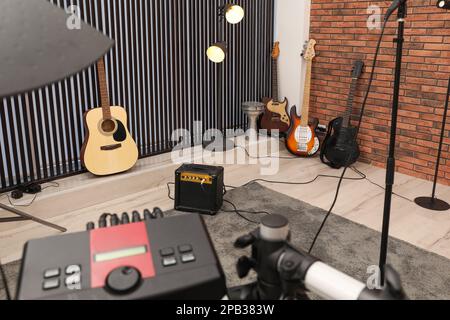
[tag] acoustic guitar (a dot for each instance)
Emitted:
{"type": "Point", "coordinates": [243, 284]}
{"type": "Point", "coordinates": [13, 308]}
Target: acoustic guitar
{"type": "Point", "coordinates": [275, 115]}
{"type": "Point", "coordinates": [302, 140]}
{"type": "Point", "coordinates": [340, 147]}
{"type": "Point", "coordinates": [108, 147]}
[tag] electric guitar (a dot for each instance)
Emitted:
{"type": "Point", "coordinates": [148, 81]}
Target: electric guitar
{"type": "Point", "coordinates": [302, 140]}
{"type": "Point", "coordinates": [340, 147]}
{"type": "Point", "coordinates": [275, 115]}
{"type": "Point", "coordinates": [108, 147]}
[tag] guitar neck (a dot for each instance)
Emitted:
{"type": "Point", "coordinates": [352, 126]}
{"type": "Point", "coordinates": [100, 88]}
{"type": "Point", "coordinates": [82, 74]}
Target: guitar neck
{"type": "Point", "coordinates": [275, 80]}
{"type": "Point", "coordinates": [103, 86]}
{"type": "Point", "coordinates": [306, 95]}
{"type": "Point", "coordinates": [349, 110]}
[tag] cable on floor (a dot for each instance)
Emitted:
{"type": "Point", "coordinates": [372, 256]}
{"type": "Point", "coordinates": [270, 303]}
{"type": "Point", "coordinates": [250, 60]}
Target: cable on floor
{"type": "Point", "coordinates": [52, 185]}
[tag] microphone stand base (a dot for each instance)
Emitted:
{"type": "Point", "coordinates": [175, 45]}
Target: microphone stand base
{"type": "Point", "coordinates": [432, 204]}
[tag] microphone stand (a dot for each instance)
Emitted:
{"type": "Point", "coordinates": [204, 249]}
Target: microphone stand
{"type": "Point", "coordinates": [434, 203]}
{"type": "Point", "coordinates": [390, 170]}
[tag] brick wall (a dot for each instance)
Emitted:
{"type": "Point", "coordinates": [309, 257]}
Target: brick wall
{"type": "Point", "coordinates": [340, 28]}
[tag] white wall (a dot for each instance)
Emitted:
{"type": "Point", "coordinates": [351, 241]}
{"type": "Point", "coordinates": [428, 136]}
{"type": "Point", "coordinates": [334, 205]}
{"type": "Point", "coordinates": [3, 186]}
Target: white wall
{"type": "Point", "coordinates": [292, 30]}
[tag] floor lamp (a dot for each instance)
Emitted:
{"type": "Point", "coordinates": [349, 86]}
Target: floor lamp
{"type": "Point", "coordinates": [232, 14]}
{"type": "Point", "coordinates": [40, 46]}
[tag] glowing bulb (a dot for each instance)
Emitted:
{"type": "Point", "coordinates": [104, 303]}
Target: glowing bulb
{"type": "Point", "coordinates": [217, 52]}
{"type": "Point", "coordinates": [234, 14]}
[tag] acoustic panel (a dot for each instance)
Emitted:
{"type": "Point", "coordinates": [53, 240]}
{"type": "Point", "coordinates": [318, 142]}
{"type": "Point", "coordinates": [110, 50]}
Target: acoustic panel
{"type": "Point", "coordinates": [158, 71]}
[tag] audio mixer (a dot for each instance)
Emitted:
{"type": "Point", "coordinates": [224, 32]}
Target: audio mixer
{"type": "Point", "coordinates": [139, 258]}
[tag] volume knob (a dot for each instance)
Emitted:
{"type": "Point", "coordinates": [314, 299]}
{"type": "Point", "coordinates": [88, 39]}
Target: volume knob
{"type": "Point", "coordinates": [123, 280]}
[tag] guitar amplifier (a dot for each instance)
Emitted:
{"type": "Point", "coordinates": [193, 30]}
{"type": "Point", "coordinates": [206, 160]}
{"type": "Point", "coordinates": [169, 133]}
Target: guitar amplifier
{"type": "Point", "coordinates": [167, 258]}
{"type": "Point", "coordinates": [199, 188]}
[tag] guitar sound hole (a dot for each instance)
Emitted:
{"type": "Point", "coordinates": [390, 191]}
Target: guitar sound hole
{"type": "Point", "coordinates": [108, 126]}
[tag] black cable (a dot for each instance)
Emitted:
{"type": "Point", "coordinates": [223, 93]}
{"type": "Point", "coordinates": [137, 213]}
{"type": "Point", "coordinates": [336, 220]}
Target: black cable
{"type": "Point", "coordinates": [301, 183]}
{"type": "Point", "coordinates": [168, 188]}
{"type": "Point", "coordinates": [363, 107]}
{"type": "Point", "coordinates": [238, 212]}
{"type": "Point", "coordinates": [54, 185]}
{"type": "Point", "coordinates": [381, 187]}
{"type": "Point", "coordinates": [5, 282]}
{"type": "Point", "coordinates": [266, 157]}
{"type": "Point", "coordinates": [329, 211]}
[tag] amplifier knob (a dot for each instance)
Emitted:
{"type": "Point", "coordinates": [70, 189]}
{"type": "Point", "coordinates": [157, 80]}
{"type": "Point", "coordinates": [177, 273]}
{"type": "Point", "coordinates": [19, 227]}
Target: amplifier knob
{"type": "Point", "coordinates": [123, 280]}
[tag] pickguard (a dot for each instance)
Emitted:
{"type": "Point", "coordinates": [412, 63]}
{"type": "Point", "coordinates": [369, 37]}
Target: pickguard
{"type": "Point", "coordinates": [303, 137]}
{"type": "Point", "coordinates": [121, 133]}
{"type": "Point", "coordinates": [279, 108]}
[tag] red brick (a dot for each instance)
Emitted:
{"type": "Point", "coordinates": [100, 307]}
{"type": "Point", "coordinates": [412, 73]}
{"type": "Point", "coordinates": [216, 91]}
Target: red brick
{"type": "Point", "coordinates": [342, 35]}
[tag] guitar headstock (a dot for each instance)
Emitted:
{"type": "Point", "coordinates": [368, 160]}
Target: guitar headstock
{"type": "Point", "coordinates": [357, 69]}
{"type": "Point", "coordinates": [309, 52]}
{"type": "Point", "coordinates": [276, 51]}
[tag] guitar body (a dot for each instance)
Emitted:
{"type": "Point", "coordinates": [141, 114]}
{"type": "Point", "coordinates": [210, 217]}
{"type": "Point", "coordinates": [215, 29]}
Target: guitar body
{"type": "Point", "coordinates": [108, 148]}
{"type": "Point", "coordinates": [275, 116]}
{"type": "Point", "coordinates": [340, 148]}
{"type": "Point", "coordinates": [302, 140]}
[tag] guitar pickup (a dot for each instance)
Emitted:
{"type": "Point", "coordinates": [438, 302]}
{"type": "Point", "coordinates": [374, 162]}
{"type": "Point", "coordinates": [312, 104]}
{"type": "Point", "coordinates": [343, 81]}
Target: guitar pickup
{"type": "Point", "coordinates": [111, 147]}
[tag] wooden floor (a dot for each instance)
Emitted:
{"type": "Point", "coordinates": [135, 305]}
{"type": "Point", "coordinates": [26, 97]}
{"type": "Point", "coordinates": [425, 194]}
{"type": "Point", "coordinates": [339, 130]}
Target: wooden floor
{"type": "Point", "coordinates": [83, 198]}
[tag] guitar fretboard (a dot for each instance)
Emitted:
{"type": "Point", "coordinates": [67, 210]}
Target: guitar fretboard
{"type": "Point", "coordinates": [275, 80]}
{"type": "Point", "coordinates": [103, 86]}
{"type": "Point", "coordinates": [348, 113]}
{"type": "Point", "coordinates": [306, 95]}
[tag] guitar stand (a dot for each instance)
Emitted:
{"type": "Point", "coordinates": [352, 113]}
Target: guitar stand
{"type": "Point", "coordinates": [432, 203]}
{"type": "Point", "coordinates": [22, 216]}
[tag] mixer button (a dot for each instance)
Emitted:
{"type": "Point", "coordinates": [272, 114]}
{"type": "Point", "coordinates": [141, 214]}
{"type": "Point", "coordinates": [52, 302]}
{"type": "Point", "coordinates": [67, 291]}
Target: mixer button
{"type": "Point", "coordinates": [167, 252]}
{"type": "Point", "coordinates": [186, 258]}
{"type": "Point", "coordinates": [51, 284]}
{"type": "Point", "coordinates": [52, 273]}
{"type": "Point", "coordinates": [185, 248]}
{"type": "Point", "coordinates": [169, 262]}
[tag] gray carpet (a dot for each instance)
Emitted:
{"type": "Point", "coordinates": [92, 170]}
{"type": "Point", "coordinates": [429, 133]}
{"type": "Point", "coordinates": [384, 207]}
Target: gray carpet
{"type": "Point", "coordinates": [345, 245]}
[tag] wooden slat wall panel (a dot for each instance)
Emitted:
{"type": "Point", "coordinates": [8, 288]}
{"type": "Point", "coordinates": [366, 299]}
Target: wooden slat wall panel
{"type": "Point", "coordinates": [158, 71]}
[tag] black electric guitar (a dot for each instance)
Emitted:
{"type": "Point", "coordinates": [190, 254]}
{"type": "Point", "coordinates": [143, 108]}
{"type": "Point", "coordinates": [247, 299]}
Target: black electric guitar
{"type": "Point", "coordinates": [340, 147]}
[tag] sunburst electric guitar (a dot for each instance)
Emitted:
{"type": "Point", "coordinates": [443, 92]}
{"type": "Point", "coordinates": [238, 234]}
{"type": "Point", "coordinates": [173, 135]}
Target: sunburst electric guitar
{"type": "Point", "coordinates": [302, 140]}
{"type": "Point", "coordinates": [275, 115]}
{"type": "Point", "coordinates": [108, 147]}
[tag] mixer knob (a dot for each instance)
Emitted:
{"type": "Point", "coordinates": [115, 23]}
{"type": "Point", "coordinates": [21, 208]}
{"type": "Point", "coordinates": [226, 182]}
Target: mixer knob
{"type": "Point", "coordinates": [114, 220]}
{"type": "Point", "coordinates": [136, 217]}
{"type": "Point", "coordinates": [148, 215]}
{"type": "Point", "coordinates": [123, 280]}
{"type": "Point", "coordinates": [125, 218]}
{"type": "Point", "coordinates": [158, 213]}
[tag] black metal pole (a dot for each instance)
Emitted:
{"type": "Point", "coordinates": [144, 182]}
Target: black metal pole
{"type": "Point", "coordinates": [390, 171]}
{"type": "Point", "coordinates": [441, 143]}
{"type": "Point", "coordinates": [220, 70]}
